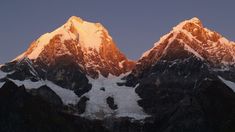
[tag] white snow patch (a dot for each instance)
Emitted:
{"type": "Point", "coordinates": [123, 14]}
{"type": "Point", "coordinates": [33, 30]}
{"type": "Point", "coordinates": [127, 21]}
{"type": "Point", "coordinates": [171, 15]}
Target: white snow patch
{"type": "Point", "coordinates": [124, 97]}
{"type": "Point", "coordinates": [67, 96]}
{"type": "Point", "coordinates": [170, 42]}
{"type": "Point", "coordinates": [41, 42]}
{"type": "Point", "coordinates": [2, 74]}
{"type": "Point", "coordinates": [90, 35]}
{"type": "Point", "coordinates": [1, 84]}
{"type": "Point", "coordinates": [228, 83]}
{"type": "Point", "coordinates": [188, 48]}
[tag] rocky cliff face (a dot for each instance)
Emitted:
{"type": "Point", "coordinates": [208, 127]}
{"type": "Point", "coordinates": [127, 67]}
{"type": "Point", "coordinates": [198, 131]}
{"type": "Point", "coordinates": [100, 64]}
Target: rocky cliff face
{"type": "Point", "coordinates": [181, 80]}
{"type": "Point", "coordinates": [81, 64]}
{"type": "Point", "coordinates": [190, 36]}
{"type": "Point", "coordinates": [183, 96]}
{"type": "Point", "coordinates": [68, 55]}
{"type": "Point", "coordinates": [24, 112]}
{"type": "Point", "coordinates": [86, 44]}
{"type": "Point", "coordinates": [184, 83]}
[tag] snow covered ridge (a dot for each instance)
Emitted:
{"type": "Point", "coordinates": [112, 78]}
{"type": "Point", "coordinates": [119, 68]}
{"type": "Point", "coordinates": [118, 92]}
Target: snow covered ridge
{"type": "Point", "coordinates": [203, 43]}
{"type": "Point", "coordinates": [87, 44]}
{"type": "Point", "coordinates": [89, 34]}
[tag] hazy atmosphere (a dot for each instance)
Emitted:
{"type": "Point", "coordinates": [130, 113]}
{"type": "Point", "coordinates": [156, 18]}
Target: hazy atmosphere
{"type": "Point", "coordinates": [134, 25]}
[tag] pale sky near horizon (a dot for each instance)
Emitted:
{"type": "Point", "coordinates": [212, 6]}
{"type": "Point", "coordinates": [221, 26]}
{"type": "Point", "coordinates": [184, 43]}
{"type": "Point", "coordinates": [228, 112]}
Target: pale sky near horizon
{"type": "Point", "coordinates": [135, 25]}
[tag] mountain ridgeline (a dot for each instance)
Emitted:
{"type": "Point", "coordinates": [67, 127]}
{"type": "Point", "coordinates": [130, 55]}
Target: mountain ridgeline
{"type": "Point", "coordinates": [76, 79]}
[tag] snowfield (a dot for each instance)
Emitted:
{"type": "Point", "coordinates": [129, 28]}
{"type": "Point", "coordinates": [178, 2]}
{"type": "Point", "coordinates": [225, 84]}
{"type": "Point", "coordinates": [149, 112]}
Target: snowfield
{"type": "Point", "coordinates": [97, 108]}
{"type": "Point", "coordinates": [124, 97]}
{"type": "Point", "coordinates": [67, 96]}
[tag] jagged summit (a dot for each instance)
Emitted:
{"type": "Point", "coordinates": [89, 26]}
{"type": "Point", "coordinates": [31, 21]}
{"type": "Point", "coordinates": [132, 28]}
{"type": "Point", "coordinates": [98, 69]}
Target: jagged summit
{"type": "Point", "coordinates": [85, 43]}
{"type": "Point", "coordinates": [194, 20]}
{"type": "Point", "coordinates": [89, 34]}
{"type": "Point", "coordinates": [79, 19]}
{"type": "Point", "coordinates": [189, 38]}
{"type": "Point", "coordinates": [185, 72]}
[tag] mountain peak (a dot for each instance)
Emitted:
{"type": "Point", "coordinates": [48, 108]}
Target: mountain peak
{"type": "Point", "coordinates": [194, 22]}
{"type": "Point", "coordinates": [87, 44]}
{"type": "Point", "coordinates": [192, 38]}
{"type": "Point", "coordinates": [75, 18]}
{"type": "Point", "coordinates": [91, 35]}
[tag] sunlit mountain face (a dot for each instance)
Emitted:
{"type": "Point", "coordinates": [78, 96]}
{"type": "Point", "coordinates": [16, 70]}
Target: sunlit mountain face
{"type": "Point", "coordinates": [191, 38]}
{"type": "Point", "coordinates": [76, 79]}
{"type": "Point", "coordinates": [86, 44]}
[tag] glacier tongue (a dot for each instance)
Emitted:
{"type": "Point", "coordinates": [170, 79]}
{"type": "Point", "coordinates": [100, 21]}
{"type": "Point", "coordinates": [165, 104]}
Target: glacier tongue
{"type": "Point", "coordinates": [124, 97]}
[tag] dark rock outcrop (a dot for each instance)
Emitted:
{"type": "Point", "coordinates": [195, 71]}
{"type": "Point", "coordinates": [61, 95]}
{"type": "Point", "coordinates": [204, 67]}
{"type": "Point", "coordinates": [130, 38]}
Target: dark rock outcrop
{"type": "Point", "coordinates": [185, 95]}
{"type": "Point", "coordinates": [82, 104]}
{"type": "Point", "coordinates": [64, 72]}
{"type": "Point", "coordinates": [22, 112]}
{"type": "Point", "coordinates": [111, 103]}
{"type": "Point", "coordinates": [47, 95]}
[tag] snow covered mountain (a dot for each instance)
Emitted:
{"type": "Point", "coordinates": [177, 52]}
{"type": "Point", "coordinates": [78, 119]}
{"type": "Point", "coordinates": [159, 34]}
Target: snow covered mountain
{"type": "Point", "coordinates": [87, 44]}
{"type": "Point", "coordinates": [81, 64]}
{"type": "Point", "coordinates": [193, 37]}
{"type": "Point", "coordinates": [81, 81]}
{"type": "Point", "coordinates": [186, 81]}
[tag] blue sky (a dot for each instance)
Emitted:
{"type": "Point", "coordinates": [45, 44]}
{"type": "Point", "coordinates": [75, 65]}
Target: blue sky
{"type": "Point", "coordinates": [134, 24]}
